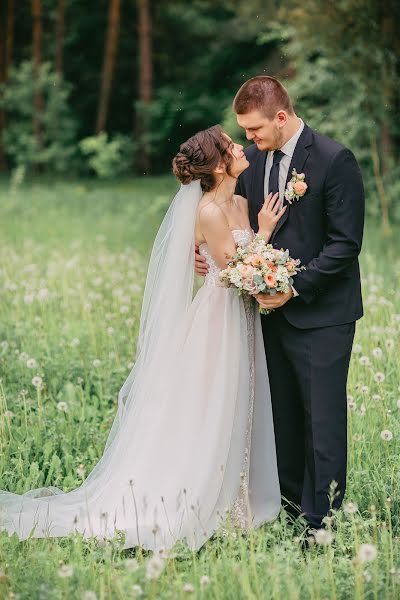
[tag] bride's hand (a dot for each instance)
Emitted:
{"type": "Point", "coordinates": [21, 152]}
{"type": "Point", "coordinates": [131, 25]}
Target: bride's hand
{"type": "Point", "coordinates": [269, 215]}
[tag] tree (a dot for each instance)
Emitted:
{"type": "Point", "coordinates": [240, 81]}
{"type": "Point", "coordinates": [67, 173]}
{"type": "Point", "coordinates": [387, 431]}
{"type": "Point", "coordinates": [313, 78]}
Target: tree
{"type": "Point", "coordinates": [60, 30]}
{"type": "Point", "coordinates": [145, 80]}
{"type": "Point", "coordinates": [6, 55]}
{"type": "Point", "coordinates": [37, 61]}
{"type": "Point", "coordinates": [110, 53]}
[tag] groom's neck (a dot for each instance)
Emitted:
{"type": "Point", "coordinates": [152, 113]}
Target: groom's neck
{"type": "Point", "coordinates": [292, 126]}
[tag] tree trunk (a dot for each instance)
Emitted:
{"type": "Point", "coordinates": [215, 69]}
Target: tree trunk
{"type": "Point", "coordinates": [145, 78]}
{"type": "Point", "coordinates": [6, 54]}
{"type": "Point", "coordinates": [60, 30]}
{"type": "Point", "coordinates": [3, 162]}
{"type": "Point", "coordinates": [9, 36]}
{"type": "Point", "coordinates": [37, 61]}
{"type": "Point", "coordinates": [110, 53]}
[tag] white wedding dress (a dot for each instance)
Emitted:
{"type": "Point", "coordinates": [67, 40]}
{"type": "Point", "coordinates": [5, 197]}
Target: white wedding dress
{"type": "Point", "coordinates": [193, 452]}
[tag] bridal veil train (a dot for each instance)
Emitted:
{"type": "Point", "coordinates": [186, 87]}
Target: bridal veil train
{"type": "Point", "coordinates": [192, 442]}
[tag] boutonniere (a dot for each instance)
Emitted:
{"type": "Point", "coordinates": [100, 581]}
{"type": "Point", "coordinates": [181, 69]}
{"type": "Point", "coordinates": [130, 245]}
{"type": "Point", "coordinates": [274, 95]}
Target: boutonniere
{"type": "Point", "coordinates": [296, 188]}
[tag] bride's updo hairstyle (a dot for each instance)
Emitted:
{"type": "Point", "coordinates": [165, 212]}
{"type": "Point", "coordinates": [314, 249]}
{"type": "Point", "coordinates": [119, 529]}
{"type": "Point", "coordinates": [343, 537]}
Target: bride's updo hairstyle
{"type": "Point", "coordinates": [200, 155]}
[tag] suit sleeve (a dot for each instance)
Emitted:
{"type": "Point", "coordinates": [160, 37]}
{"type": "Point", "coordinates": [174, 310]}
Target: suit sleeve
{"type": "Point", "coordinates": [344, 212]}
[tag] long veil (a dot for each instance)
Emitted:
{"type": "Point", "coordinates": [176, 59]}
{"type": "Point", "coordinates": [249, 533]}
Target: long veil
{"type": "Point", "coordinates": [167, 298]}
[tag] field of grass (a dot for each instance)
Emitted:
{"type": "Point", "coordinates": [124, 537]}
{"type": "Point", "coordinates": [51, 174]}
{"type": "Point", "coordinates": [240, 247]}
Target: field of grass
{"type": "Point", "coordinates": [72, 269]}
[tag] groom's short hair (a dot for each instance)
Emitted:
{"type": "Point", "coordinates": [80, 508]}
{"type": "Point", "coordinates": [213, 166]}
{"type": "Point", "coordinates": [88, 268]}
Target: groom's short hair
{"type": "Point", "coordinates": [265, 94]}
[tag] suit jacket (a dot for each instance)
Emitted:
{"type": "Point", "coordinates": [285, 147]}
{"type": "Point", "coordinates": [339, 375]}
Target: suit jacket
{"type": "Point", "coordinates": [324, 229]}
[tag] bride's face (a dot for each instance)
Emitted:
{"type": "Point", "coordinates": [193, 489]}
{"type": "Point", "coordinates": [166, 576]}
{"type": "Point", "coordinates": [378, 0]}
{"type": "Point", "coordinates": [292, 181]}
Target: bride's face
{"type": "Point", "coordinates": [239, 161]}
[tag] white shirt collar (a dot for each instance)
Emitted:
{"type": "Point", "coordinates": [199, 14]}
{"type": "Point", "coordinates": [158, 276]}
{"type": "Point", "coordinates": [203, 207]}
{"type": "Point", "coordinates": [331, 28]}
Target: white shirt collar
{"type": "Point", "coordinates": [290, 145]}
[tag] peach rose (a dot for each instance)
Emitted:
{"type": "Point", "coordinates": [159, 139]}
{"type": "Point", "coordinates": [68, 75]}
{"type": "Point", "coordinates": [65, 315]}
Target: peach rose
{"type": "Point", "coordinates": [257, 261]}
{"type": "Point", "coordinates": [300, 188]}
{"type": "Point", "coordinates": [246, 271]}
{"type": "Point", "coordinates": [270, 280]}
{"type": "Point", "coordinates": [290, 266]}
{"type": "Point", "coordinates": [249, 259]}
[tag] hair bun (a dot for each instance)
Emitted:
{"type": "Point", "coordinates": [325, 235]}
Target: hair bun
{"type": "Point", "coordinates": [181, 166]}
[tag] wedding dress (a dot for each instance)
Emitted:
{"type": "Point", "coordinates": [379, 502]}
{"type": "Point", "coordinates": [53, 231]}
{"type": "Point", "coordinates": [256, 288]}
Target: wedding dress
{"type": "Point", "coordinates": [192, 445]}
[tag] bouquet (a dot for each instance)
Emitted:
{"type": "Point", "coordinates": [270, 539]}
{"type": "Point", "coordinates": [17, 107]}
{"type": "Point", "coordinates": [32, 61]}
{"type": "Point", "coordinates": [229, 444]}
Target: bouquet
{"type": "Point", "coordinates": [260, 268]}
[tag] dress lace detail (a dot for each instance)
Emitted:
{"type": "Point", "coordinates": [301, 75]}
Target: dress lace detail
{"type": "Point", "coordinates": [241, 236]}
{"type": "Point", "coordinates": [239, 514]}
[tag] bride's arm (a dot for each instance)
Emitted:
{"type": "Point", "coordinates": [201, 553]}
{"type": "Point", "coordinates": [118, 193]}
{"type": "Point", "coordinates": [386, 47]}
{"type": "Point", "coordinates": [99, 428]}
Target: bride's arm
{"type": "Point", "coordinates": [214, 227]}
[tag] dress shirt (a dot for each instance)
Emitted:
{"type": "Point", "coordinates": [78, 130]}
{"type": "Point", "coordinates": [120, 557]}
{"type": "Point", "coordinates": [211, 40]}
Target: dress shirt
{"type": "Point", "coordinates": [288, 150]}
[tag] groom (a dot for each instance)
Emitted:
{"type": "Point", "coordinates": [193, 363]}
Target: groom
{"type": "Point", "coordinates": [308, 337]}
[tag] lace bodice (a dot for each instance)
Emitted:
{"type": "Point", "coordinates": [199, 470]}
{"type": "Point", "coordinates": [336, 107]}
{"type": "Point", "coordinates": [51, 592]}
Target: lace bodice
{"type": "Point", "coordinates": [241, 236]}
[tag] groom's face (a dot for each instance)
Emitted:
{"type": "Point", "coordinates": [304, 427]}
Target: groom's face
{"type": "Point", "coordinates": [264, 132]}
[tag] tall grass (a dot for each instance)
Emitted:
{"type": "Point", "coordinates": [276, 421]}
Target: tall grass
{"type": "Point", "coordinates": [73, 258]}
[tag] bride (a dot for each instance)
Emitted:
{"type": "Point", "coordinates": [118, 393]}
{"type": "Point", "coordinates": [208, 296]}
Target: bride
{"type": "Point", "coordinates": [192, 444]}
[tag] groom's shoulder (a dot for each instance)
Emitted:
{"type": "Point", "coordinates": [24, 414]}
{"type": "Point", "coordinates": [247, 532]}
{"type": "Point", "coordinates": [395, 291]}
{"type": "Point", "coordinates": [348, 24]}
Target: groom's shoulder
{"type": "Point", "coordinates": [324, 144]}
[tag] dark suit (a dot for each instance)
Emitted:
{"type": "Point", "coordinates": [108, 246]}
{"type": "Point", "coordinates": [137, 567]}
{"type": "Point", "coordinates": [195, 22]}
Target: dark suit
{"type": "Point", "coordinates": [308, 341]}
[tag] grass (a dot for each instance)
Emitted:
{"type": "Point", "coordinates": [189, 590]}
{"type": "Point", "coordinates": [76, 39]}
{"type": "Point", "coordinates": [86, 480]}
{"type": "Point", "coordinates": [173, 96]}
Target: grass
{"type": "Point", "coordinates": [73, 259]}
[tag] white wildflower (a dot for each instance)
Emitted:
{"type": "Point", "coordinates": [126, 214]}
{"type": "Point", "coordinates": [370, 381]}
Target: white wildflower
{"type": "Point", "coordinates": [43, 294]}
{"type": "Point", "coordinates": [323, 537]}
{"type": "Point", "coordinates": [80, 471]}
{"type": "Point", "coordinates": [37, 382]}
{"type": "Point", "coordinates": [154, 567]}
{"type": "Point", "coordinates": [110, 330]}
{"type": "Point", "coordinates": [357, 349]}
{"type": "Point", "coordinates": [31, 363]}
{"type": "Point", "coordinates": [188, 588]}
{"type": "Point", "coordinates": [9, 414]}
{"type": "Point", "coordinates": [350, 508]}
{"type": "Point", "coordinates": [364, 389]}
{"type": "Point", "coordinates": [89, 595]}
{"type": "Point", "coordinates": [389, 344]}
{"type": "Point", "coordinates": [131, 564]}
{"type": "Point", "coordinates": [364, 361]}
{"type": "Point", "coordinates": [130, 322]}
{"type": "Point", "coordinates": [386, 435]}
{"type": "Point", "coordinates": [367, 576]}
{"type": "Point", "coordinates": [376, 398]}
{"type": "Point", "coordinates": [204, 581]}
{"type": "Point", "coordinates": [377, 352]}
{"type": "Point", "coordinates": [75, 342]}
{"type": "Point", "coordinates": [379, 377]}
{"type": "Point", "coordinates": [62, 406]}
{"type": "Point", "coordinates": [124, 309]}
{"type": "Point", "coordinates": [65, 571]}
{"type": "Point", "coordinates": [137, 590]}
{"type": "Point", "coordinates": [96, 363]}
{"type": "Point", "coordinates": [367, 553]}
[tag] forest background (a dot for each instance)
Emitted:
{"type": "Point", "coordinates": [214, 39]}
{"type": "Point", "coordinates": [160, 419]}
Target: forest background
{"type": "Point", "coordinates": [113, 89]}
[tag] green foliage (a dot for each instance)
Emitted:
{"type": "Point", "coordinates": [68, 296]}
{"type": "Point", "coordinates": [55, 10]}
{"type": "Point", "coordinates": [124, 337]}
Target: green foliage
{"type": "Point", "coordinates": [108, 158]}
{"type": "Point", "coordinates": [58, 147]}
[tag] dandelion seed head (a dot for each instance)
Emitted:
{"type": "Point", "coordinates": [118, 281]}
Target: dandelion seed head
{"type": "Point", "coordinates": [37, 382]}
{"type": "Point", "coordinates": [367, 553]}
{"type": "Point", "coordinates": [386, 435]}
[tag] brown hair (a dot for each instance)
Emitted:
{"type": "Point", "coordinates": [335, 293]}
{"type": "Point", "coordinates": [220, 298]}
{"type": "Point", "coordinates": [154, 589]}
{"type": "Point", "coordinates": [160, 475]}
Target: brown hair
{"type": "Point", "coordinates": [265, 94]}
{"type": "Point", "coordinates": [200, 155]}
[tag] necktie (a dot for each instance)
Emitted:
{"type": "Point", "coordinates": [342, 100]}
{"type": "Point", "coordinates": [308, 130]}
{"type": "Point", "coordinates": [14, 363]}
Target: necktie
{"type": "Point", "coordinates": [273, 182]}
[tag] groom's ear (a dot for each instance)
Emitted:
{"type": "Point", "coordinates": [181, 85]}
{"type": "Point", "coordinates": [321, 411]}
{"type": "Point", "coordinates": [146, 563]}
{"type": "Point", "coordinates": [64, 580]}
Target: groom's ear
{"type": "Point", "coordinates": [281, 118]}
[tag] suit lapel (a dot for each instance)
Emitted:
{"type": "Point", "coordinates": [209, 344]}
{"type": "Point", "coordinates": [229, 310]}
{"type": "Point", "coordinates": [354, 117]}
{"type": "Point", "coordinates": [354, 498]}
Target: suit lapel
{"type": "Point", "coordinates": [299, 158]}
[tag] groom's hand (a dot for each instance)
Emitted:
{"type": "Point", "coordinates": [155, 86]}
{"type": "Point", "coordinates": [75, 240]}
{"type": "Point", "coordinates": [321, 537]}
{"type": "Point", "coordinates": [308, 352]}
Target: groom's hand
{"type": "Point", "coordinates": [267, 301]}
{"type": "Point", "coordinates": [200, 263]}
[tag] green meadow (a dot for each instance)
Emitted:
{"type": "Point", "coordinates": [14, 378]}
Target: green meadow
{"type": "Point", "coordinates": [72, 271]}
